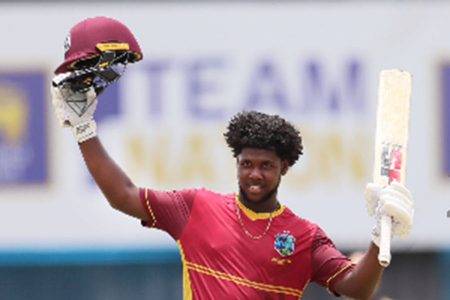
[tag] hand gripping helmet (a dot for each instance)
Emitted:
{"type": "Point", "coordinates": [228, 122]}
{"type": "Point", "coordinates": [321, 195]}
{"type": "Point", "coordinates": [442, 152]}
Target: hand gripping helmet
{"type": "Point", "coordinates": [97, 51]}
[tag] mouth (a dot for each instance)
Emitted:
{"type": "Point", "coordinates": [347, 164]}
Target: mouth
{"type": "Point", "coordinates": [254, 188]}
{"type": "Point", "coordinates": [253, 192]}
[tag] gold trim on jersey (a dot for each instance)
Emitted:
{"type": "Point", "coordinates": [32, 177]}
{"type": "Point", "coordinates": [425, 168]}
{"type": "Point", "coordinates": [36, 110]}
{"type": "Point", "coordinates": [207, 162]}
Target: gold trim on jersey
{"type": "Point", "coordinates": [149, 208]}
{"type": "Point", "coordinates": [187, 288]}
{"type": "Point", "coordinates": [335, 275]}
{"type": "Point", "coordinates": [242, 281]}
{"type": "Point", "coordinates": [252, 215]}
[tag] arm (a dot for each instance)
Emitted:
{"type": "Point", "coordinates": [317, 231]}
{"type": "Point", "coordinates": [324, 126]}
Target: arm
{"type": "Point", "coordinates": [118, 189]}
{"type": "Point", "coordinates": [170, 210]}
{"type": "Point", "coordinates": [394, 200]}
{"type": "Point", "coordinates": [362, 281]}
{"type": "Point", "coordinates": [75, 110]}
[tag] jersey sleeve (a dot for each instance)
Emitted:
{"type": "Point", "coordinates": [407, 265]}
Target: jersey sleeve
{"type": "Point", "coordinates": [168, 211]}
{"type": "Point", "coordinates": [328, 264]}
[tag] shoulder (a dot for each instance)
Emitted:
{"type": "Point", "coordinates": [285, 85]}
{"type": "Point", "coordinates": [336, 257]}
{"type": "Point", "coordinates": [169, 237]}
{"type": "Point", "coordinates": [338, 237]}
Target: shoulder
{"type": "Point", "coordinates": [296, 220]}
{"type": "Point", "coordinates": [206, 195]}
{"type": "Point", "coordinates": [190, 195]}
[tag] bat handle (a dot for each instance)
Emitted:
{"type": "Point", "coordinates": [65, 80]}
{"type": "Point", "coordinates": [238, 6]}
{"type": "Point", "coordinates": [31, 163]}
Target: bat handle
{"type": "Point", "coordinates": [384, 254]}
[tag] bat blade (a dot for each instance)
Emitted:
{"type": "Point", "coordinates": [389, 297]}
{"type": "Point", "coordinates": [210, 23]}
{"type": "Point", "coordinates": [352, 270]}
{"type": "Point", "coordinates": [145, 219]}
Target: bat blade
{"type": "Point", "coordinates": [391, 141]}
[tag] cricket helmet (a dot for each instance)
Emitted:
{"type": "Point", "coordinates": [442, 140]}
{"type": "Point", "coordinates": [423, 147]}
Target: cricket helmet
{"type": "Point", "coordinates": [91, 38]}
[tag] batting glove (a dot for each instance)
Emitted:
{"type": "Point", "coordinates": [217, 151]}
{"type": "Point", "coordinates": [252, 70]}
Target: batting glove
{"type": "Point", "coordinates": [74, 109]}
{"type": "Point", "coordinates": [394, 200]}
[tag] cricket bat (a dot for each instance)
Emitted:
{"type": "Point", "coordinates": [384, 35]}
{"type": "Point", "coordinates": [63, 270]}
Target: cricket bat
{"type": "Point", "coordinates": [391, 139]}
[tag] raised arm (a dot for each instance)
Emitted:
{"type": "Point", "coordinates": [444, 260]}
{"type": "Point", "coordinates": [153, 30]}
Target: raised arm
{"type": "Point", "coordinates": [117, 187]}
{"type": "Point", "coordinates": [363, 280]}
{"type": "Point", "coordinates": [394, 200]}
{"type": "Point", "coordinates": [75, 110]}
{"type": "Point", "coordinates": [96, 53]}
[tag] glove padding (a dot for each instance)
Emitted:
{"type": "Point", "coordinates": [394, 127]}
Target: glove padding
{"type": "Point", "coordinates": [74, 109]}
{"type": "Point", "coordinates": [394, 200]}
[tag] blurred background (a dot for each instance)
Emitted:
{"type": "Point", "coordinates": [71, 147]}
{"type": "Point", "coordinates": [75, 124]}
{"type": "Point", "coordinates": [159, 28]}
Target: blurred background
{"type": "Point", "coordinates": [314, 62]}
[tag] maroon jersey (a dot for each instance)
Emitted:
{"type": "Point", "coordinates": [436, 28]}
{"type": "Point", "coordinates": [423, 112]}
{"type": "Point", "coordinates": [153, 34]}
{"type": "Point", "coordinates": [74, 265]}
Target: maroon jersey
{"type": "Point", "coordinates": [276, 259]}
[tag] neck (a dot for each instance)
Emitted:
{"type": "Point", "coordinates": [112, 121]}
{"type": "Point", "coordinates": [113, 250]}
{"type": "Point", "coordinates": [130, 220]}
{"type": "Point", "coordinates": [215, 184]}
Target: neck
{"type": "Point", "coordinates": [267, 205]}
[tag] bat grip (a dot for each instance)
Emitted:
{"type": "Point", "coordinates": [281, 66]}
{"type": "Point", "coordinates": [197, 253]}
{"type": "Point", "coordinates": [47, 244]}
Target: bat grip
{"type": "Point", "coordinates": [384, 254]}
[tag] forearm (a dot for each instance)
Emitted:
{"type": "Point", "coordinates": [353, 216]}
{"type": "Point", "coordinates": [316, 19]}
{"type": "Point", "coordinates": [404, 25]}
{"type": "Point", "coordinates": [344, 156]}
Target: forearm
{"type": "Point", "coordinates": [109, 177]}
{"type": "Point", "coordinates": [363, 280]}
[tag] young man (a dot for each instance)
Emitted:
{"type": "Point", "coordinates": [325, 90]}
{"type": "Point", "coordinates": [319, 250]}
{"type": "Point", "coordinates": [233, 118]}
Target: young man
{"type": "Point", "coordinates": [243, 245]}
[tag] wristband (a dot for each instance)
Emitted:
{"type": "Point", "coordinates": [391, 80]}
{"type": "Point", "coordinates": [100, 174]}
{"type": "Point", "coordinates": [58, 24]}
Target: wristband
{"type": "Point", "coordinates": [85, 131]}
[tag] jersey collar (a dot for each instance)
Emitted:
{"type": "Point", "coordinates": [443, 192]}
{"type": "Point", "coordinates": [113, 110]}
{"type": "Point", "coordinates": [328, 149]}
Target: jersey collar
{"type": "Point", "coordinates": [252, 215]}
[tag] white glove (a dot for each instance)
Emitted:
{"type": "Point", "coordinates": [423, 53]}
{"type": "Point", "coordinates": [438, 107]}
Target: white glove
{"type": "Point", "coordinates": [74, 109]}
{"type": "Point", "coordinates": [394, 200]}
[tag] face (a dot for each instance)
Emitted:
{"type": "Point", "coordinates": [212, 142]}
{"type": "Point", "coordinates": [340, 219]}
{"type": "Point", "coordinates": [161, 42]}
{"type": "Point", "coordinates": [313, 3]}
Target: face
{"type": "Point", "coordinates": [259, 174]}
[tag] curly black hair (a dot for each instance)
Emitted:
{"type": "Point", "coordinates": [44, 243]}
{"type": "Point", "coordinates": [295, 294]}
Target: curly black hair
{"type": "Point", "coordinates": [252, 129]}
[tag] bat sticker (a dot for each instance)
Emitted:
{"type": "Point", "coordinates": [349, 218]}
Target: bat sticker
{"type": "Point", "coordinates": [391, 161]}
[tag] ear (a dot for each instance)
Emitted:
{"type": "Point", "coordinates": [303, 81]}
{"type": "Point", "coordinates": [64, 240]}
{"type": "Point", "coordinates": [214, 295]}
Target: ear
{"type": "Point", "coordinates": [284, 167]}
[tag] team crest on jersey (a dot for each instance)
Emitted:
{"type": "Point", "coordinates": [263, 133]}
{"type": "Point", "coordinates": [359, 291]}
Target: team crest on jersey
{"type": "Point", "coordinates": [284, 243]}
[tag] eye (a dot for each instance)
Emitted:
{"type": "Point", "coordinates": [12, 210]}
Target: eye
{"type": "Point", "coordinates": [245, 163]}
{"type": "Point", "coordinates": [267, 165]}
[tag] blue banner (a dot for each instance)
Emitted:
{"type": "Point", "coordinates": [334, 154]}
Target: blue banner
{"type": "Point", "coordinates": [23, 128]}
{"type": "Point", "coordinates": [445, 76]}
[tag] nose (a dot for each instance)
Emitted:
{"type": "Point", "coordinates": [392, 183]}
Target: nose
{"type": "Point", "coordinates": [255, 173]}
